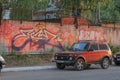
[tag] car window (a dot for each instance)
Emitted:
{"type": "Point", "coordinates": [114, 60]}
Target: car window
{"type": "Point", "coordinates": [81, 46]}
{"type": "Point", "coordinates": [103, 47]}
{"type": "Point", "coordinates": [94, 46]}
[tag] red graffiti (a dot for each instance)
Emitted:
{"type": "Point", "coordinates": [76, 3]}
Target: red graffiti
{"type": "Point", "coordinates": [88, 34]}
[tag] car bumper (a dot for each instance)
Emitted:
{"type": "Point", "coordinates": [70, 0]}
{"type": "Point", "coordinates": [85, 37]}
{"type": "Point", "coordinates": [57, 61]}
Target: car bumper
{"type": "Point", "coordinates": [62, 61]}
{"type": "Point", "coordinates": [116, 60]}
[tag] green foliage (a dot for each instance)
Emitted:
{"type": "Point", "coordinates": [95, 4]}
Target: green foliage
{"type": "Point", "coordinates": [27, 60]}
{"type": "Point", "coordinates": [22, 9]}
{"type": "Point", "coordinates": [13, 52]}
{"type": "Point", "coordinates": [91, 10]}
{"type": "Point", "coordinates": [110, 11]}
{"type": "Point", "coordinates": [115, 49]}
{"type": "Point", "coordinates": [66, 48]}
{"type": "Point", "coordinates": [52, 50]}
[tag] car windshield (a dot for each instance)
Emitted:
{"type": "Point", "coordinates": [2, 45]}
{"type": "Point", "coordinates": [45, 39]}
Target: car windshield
{"type": "Point", "coordinates": [81, 46]}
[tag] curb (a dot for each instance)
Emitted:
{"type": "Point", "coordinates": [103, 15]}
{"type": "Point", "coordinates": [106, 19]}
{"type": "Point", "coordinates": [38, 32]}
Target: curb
{"type": "Point", "coordinates": [33, 68]}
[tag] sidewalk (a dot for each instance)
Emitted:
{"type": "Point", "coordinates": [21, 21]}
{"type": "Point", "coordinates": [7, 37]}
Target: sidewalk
{"type": "Point", "coordinates": [33, 68]}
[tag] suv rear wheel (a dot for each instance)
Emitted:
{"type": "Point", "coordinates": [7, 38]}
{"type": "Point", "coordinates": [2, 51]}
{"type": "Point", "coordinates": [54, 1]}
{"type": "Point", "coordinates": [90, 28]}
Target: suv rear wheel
{"type": "Point", "coordinates": [60, 65]}
{"type": "Point", "coordinates": [105, 63]}
{"type": "Point", "coordinates": [80, 64]}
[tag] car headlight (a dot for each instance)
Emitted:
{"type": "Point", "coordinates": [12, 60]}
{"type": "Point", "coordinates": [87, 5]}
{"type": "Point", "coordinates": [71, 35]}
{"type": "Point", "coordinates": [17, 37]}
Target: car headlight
{"type": "Point", "coordinates": [56, 54]}
{"type": "Point", "coordinates": [70, 58]}
{"type": "Point", "coordinates": [2, 59]}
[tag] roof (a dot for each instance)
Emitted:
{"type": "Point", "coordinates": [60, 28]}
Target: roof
{"type": "Point", "coordinates": [93, 41]}
{"type": "Point", "coordinates": [48, 13]}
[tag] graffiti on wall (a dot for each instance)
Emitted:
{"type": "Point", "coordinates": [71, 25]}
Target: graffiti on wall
{"type": "Point", "coordinates": [89, 34]}
{"type": "Point", "coordinates": [37, 37]}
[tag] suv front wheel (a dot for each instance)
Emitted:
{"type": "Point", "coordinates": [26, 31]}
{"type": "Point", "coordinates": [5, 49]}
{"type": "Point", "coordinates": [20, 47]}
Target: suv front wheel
{"type": "Point", "coordinates": [80, 64]}
{"type": "Point", "coordinates": [105, 63]}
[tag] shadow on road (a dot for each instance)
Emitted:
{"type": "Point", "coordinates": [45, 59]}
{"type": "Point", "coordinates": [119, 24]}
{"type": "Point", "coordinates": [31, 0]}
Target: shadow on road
{"type": "Point", "coordinates": [71, 68]}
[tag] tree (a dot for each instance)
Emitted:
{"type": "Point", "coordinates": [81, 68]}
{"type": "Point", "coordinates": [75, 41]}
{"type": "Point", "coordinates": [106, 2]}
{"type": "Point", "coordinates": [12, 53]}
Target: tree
{"type": "Point", "coordinates": [22, 9]}
{"type": "Point", "coordinates": [111, 11]}
{"type": "Point", "coordinates": [91, 10]}
{"type": "Point", "coordinates": [87, 9]}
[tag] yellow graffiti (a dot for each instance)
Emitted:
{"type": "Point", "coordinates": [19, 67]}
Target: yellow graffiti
{"type": "Point", "coordinates": [40, 27]}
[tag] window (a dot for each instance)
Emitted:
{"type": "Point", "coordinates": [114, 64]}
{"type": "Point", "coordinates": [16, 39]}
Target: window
{"type": "Point", "coordinates": [81, 46]}
{"type": "Point", "coordinates": [94, 46]}
{"type": "Point", "coordinates": [103, 47]}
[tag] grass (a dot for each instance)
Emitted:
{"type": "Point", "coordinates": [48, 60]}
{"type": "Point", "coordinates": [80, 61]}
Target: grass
{"type": "Point", "coordinates": [28, 60]}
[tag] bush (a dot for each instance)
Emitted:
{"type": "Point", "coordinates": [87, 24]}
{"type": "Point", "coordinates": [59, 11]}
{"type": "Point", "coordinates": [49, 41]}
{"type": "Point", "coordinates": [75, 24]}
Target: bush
{"type": "Point", "coordinates": [115, 49]}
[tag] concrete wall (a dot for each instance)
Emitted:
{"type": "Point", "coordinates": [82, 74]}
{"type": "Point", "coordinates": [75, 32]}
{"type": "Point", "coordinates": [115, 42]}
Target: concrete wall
{"type": "Point", "coordinates": [112, 35]}
{"type": "Point", "coordinates": [37, 37]}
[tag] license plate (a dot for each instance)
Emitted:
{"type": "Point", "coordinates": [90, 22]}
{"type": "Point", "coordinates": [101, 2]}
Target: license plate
{"type": "Point", "coordinates": [60, 61]}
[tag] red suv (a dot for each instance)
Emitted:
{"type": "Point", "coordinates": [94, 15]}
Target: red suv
{"type": "Point", "coordinates": [84, 53]}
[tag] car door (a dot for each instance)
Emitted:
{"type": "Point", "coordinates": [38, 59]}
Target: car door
{"type": "Point", "coordinates": [94, 53]}
{"type": "Point", "coordinates": [104, 50]}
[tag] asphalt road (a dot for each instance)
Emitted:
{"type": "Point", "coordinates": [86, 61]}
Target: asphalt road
{"type": "Point", "coordinates": [94, 73]}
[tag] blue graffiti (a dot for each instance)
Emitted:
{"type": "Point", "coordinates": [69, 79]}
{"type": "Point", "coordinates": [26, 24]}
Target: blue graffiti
{"type": "Point", "coordinates": [41, 43]}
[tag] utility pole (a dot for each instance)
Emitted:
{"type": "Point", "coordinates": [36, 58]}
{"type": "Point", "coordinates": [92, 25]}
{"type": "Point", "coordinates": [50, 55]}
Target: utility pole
{"type": "Point", "coordinates": [75, 13]}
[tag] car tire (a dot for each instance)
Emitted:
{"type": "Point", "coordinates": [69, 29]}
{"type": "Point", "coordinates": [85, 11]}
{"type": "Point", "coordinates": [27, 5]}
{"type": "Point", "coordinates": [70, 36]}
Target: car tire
{"type": "Point", "coordinates": [80, 64]}
{"type": "Point", "coordinates": [105, 63]}
{"type": "Point", "coordinates": [60, 65]}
